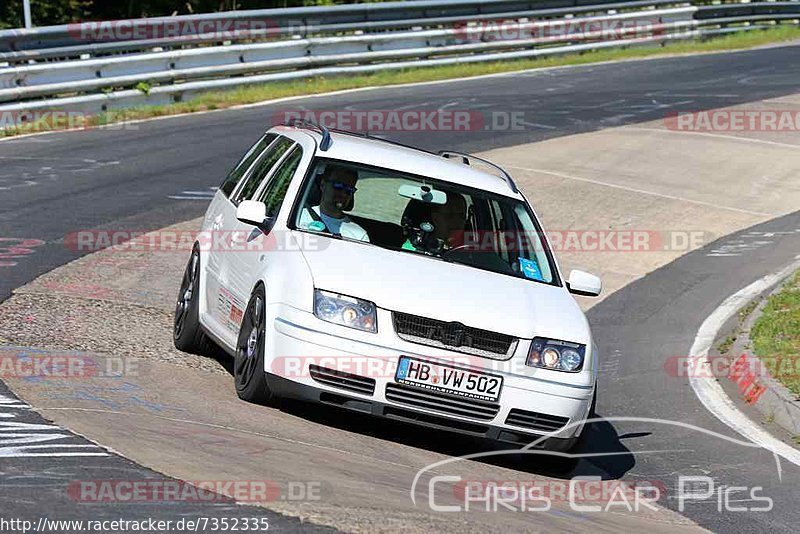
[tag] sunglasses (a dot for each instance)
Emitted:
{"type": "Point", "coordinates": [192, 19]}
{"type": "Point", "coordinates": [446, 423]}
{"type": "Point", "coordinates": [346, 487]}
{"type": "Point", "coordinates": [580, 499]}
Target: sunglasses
{"type": "Point", "coordinates": [340, 186]}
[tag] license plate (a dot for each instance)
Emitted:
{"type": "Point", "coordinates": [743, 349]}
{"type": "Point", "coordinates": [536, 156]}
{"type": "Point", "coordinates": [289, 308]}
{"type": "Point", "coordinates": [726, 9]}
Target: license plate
{"type": "Point", "coordinates": [448, 379]}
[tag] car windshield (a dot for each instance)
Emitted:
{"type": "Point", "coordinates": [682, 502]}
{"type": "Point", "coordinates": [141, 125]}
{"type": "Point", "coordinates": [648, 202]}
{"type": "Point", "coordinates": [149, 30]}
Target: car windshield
{"type": "Point", "coordinates": [417, 215]}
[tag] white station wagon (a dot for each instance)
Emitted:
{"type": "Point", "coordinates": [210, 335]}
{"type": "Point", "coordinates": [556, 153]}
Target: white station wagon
{"type": "Point", "coordinates": [393, 282]}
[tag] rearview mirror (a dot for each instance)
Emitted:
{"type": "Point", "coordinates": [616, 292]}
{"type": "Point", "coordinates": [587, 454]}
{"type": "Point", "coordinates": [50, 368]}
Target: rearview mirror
{"type": "Point", "coordinates": [584, 284]}
{"type": "Point", "coordinates": [255, 213]}
{"type": "Point", "coordinates": [423, 193]}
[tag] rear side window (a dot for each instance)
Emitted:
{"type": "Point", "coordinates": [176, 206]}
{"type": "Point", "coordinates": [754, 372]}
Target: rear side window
{"type": "Point", "coordinates": [275, 191]}
{"type": "Point", "coordinates": [238, 171]}
{"type": "Point", "coordinates": [262, 169]}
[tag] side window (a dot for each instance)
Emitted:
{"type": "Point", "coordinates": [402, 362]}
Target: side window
{"type": "Point", "coordinates": [275, 191]}
{"type": "Point", "coordinates": [236, 174]}
{"type": "Point", "coordinates": [261, 169]}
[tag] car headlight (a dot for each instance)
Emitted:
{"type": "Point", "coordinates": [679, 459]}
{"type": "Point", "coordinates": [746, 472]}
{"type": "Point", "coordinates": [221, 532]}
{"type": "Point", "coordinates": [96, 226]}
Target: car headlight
{"type": "Point", "coordinates": [346, 311]}
{"type": "Point", "coordinates": [556, 355]}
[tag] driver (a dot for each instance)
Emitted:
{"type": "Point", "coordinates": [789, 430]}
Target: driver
{"type": "Point", "coordinates": [448, 221]}
{"type": "Point", "coordinates": [337, 185]}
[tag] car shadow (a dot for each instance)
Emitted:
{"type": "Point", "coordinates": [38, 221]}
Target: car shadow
{"type": "Point", "coordinates": [603, 439]}
{"type": "Point", "coordinates": [602, 454]}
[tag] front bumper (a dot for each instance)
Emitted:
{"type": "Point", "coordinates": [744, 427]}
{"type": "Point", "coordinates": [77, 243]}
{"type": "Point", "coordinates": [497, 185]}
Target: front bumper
{"type": "Point", "coordinates": [299, 340]}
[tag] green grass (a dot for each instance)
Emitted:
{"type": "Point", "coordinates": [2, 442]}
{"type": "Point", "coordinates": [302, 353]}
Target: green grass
{"type": "Point", "coordinates": [316, 85]}
{"type": "Point", "coordinates": [776, 335]}
{"type": "Point", "coordinates": [726, 345]}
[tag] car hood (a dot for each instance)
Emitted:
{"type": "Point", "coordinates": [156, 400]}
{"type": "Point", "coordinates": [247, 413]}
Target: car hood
{"type": "Point", "coordinates": [424, 286]}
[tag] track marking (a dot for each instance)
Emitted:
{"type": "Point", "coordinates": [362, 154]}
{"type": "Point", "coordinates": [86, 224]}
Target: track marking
{"type": "Point", "coordinates": [10, 402]}
{"type": "Point", "coordinates": [25, 440]}
{"type": "Point", "coordinates": [196, 195]}
{"type": "Point", "coordinates": [642, 191]}
{"type": "Point", "coordinates": [711, 393]}
{"type": "Point", "coordinates": [717, 136]}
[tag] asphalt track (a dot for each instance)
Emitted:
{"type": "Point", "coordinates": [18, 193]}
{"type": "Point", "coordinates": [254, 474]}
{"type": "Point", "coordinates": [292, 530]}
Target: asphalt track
{"type": "Point", "coordinates": [57, 183]}
{"type": "Point", "coordinates": [34, 487]}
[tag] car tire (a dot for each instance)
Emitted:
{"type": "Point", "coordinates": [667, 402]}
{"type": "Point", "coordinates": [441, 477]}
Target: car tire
{"type": "Point", "coordinates": [248, 364]}
{"type": "Point", "coordinates": [186, 332]}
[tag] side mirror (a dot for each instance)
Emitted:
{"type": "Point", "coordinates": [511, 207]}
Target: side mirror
{"type": "Point", "coordinates": [584, 284]}
{"type": "Point", "coordinates": [255, 213]}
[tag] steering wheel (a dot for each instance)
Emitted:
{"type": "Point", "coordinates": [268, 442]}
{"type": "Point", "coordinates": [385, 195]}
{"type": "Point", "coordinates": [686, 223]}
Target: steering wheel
{"type": "Point", "coordinates": [421, 237]}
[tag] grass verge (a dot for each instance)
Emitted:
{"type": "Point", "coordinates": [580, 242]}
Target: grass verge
{"type": "Point", "coordinates": [317, 85]}
{"type": "Point", "coordinates": [776, 335]}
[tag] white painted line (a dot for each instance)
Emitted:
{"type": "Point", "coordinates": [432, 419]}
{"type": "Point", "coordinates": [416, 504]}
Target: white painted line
{"type": "Point", "coordinates": [11, 402]}
{"type": "Point", "coordinates": [203, 193]}
{"type": "Point", "coordinates": [718, 136]}
{"type": "Point", "coordinates": [708, 389]}
{"type": "Point", "coordinates": [642, 191]}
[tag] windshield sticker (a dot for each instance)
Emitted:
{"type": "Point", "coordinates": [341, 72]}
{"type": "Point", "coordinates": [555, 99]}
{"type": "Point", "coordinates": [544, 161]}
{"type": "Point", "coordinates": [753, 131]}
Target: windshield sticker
{"type": "Point", "coordinates": [530, 269]}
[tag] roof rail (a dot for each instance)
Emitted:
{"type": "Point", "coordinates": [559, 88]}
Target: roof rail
{"type": "Point", "coordinates": [366, 135]}
{"type": "Point", "coordinates": [467, 158]}
{"type": "Point", "coordinates": [325, 144]}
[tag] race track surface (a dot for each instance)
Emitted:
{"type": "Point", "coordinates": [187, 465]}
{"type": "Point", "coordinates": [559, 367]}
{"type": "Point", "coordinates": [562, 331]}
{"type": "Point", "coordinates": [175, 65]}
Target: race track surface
{"type": "Point", "coordinates": [62, 182]}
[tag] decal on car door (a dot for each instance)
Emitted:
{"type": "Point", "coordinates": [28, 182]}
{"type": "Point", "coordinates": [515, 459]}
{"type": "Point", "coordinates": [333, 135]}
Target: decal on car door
{"type": "Point", "coordinates": [230, 310]}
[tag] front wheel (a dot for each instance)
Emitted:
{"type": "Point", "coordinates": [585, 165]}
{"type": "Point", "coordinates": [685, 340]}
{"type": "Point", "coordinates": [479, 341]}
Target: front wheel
{"type": "Point", "coordinates": [248, 364]}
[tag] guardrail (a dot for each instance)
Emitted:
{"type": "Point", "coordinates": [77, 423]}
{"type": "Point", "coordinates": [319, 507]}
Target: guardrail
{"type": "Point", "coordinates": [280, 44]}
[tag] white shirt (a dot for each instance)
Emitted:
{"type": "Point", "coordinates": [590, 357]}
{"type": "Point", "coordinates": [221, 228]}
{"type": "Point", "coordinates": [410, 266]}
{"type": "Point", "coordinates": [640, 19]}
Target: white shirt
{"type": "Point", "coordinates": [344, 226]}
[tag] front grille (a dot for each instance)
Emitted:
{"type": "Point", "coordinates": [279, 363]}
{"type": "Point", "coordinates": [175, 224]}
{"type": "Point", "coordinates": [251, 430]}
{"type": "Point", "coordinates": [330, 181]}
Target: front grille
{"type": "Point", "coordinates": [536, 421]}
{"type": "Point", "coordinates": [442, 334]}
{"type": "Point", "coordinates": [346, 381]}
{"type": "Point", "coordinates": [441, 402]}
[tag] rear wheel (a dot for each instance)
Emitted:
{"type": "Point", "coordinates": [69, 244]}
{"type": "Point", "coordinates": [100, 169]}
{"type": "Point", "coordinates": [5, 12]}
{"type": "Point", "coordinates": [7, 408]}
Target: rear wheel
{"type": "Point", "coordinates": [186, 332]}
{"type": "Point", "coordinates": [248, 365]}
